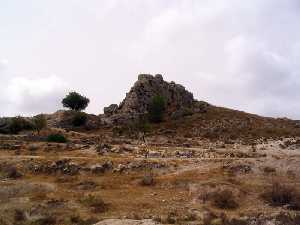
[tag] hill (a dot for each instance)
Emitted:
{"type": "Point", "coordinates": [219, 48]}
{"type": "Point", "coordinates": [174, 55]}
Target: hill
{"type": "Point", "coordinates": [202, 164]}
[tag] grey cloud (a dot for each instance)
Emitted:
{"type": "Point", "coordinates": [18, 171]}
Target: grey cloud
{"type": "Point", "coordinates": [30, 96]}
{"type": "Point", "coordinates": [240, 54]}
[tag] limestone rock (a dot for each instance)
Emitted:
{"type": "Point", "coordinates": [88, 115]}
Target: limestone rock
{"type": "Point", "coordinates": [179, 101]}
{"type": "Point", "coordinates": [148, 86]}
{"type": "Point", "coordinates": [110, 109]}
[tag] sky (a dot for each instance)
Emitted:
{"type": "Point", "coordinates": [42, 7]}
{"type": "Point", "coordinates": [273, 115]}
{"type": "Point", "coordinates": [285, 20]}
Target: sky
{"type": "Point", "coordinates": [238, 54]}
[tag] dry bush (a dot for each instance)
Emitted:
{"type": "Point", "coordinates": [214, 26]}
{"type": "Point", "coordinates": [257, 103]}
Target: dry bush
{"type": "Point", "coordinates": [19, 215]}
{"type": "Point", "coordinates": [281, 194]}
{"type": "Point", "coordinates": [147, 180]}
{"type": "Point", "coordinates": [224, 200]}
{"type": "Point", "coordinates": [95, 202]}
{"type": "Point", "coordinates": [76, 219]}
{"type": "Point", "coordinates": [39, 196]}
{"type": "Point", "coordinates": [46, 220]}
{"type": "Point", "coordinates": [268, 169]}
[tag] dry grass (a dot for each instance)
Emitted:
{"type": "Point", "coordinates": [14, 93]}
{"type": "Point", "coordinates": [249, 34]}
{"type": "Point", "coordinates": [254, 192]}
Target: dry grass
{"type": "Point", "coordinates": [225, 199]}
{"type": "Point", "coordinates": [225, 124]}
{"type": "Point", "coordinates": [281, 194]}
{"type": "Point", "coordinates": [95, 202]}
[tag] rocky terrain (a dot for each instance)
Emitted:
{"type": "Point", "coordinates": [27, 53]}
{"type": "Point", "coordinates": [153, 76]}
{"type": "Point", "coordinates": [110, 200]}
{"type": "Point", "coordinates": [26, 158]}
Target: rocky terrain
{"type": "Point", "coordinates": [203, 165]}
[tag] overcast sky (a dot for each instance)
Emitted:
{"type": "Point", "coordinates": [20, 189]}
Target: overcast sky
{"type": "Point", "coordinates": [239, 54]}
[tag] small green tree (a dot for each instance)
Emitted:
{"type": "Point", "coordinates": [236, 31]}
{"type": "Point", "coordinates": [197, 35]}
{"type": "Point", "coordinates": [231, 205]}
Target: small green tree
{"type": "Point", "coordinates": [157, 109]}
{"type": "Point", "coordinates": [40, 122]}
{"type": "Point", "coordinates": [75, 101]}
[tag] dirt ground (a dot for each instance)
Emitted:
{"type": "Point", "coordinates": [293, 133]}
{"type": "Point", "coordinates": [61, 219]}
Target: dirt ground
{"type": "Point", "coordinates": [85, 181]}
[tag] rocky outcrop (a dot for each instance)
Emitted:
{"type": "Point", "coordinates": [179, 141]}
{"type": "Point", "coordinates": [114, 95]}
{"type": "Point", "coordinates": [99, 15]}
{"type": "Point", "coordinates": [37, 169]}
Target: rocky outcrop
{"type": "Point", "coordinates": [179, 101]}
{"type": "Point", "coordinates": [148, 86]}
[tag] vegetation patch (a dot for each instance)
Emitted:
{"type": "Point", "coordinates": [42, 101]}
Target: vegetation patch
{"type": "Point", "coordinates": [157, 109]}
{"type": "Point", "coordinates": [79, 119]}
{"type": "Point", "coordinates": [281, 195]}
{"type": "Point", "coordinates": [58, 138]}
{"type": "Point", "coordinates": [95, 202]}
{"type": "Point", "coordinates": [225, 200]}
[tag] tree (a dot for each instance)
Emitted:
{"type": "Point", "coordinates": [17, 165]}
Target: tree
{"type": "Point", "coordinates": [40, 122]}
{"type": "Point", "coordinates": [157, 109]}
{"type": "Point", "coordinates": [75, 101]}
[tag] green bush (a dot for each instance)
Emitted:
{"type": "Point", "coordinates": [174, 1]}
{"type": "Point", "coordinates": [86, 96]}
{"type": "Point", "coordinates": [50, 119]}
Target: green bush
{"type": "Point", "coordinates": [58, 138]}
{"type": "Point", "coordinates": [79, 119]}
{"type": "Point", "coordinates": [18, 124]}
{"type": "Point", "coordinates": [157, 109]}
{"type": "Point", "coordinates": [75, 101]}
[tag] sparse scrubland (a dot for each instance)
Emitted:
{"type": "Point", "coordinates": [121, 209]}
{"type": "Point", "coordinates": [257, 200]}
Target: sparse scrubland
{"type": "Point", "coordinates": [187, 163]}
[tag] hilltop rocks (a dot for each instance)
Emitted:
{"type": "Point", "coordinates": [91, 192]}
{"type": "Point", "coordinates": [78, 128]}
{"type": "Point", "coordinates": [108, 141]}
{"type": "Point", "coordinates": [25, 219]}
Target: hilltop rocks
{"type": "Point", "coordinates": [148, 86]}
{"type": "Point", "coordinates": [179, 101]}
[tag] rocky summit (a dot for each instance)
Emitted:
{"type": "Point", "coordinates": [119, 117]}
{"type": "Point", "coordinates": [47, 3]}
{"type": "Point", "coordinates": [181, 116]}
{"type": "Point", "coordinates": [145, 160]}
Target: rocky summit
{"type": "Point", "coordinates": [147, 87]}
{"type": "Point", "coordinates": [137, 100]}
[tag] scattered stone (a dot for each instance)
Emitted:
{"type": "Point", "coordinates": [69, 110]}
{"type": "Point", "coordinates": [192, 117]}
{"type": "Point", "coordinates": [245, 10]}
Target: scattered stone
{"type": "Point", "coordinates": [97, 169]}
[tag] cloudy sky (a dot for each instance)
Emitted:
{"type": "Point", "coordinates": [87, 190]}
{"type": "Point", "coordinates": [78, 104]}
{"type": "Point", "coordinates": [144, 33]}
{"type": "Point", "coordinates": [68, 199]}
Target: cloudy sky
{"type": "Point", "coordinates": [239, 54]}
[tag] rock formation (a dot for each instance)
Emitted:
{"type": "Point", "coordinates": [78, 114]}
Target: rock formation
{"type": "Point", "coordinates": [179, 101]}
{"type": "Point", "coordinates": [148, 86]}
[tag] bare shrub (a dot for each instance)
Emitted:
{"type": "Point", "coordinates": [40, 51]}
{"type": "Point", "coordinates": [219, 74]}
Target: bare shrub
{"type": "Point", "coordinates": [46, 220]}
{"type": "Point", "coordinates": [225, 200]}
{"type": "Point", "coordinates": [19, 215]}
{"type": "Point", "coordinates": [268, 169]}
{"type": "Point", "coordinates": [280, 195]}
{"type": "Point", "coordinates": [95, 202]}
{"type": "Point", "coordinates": [147, 180]}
